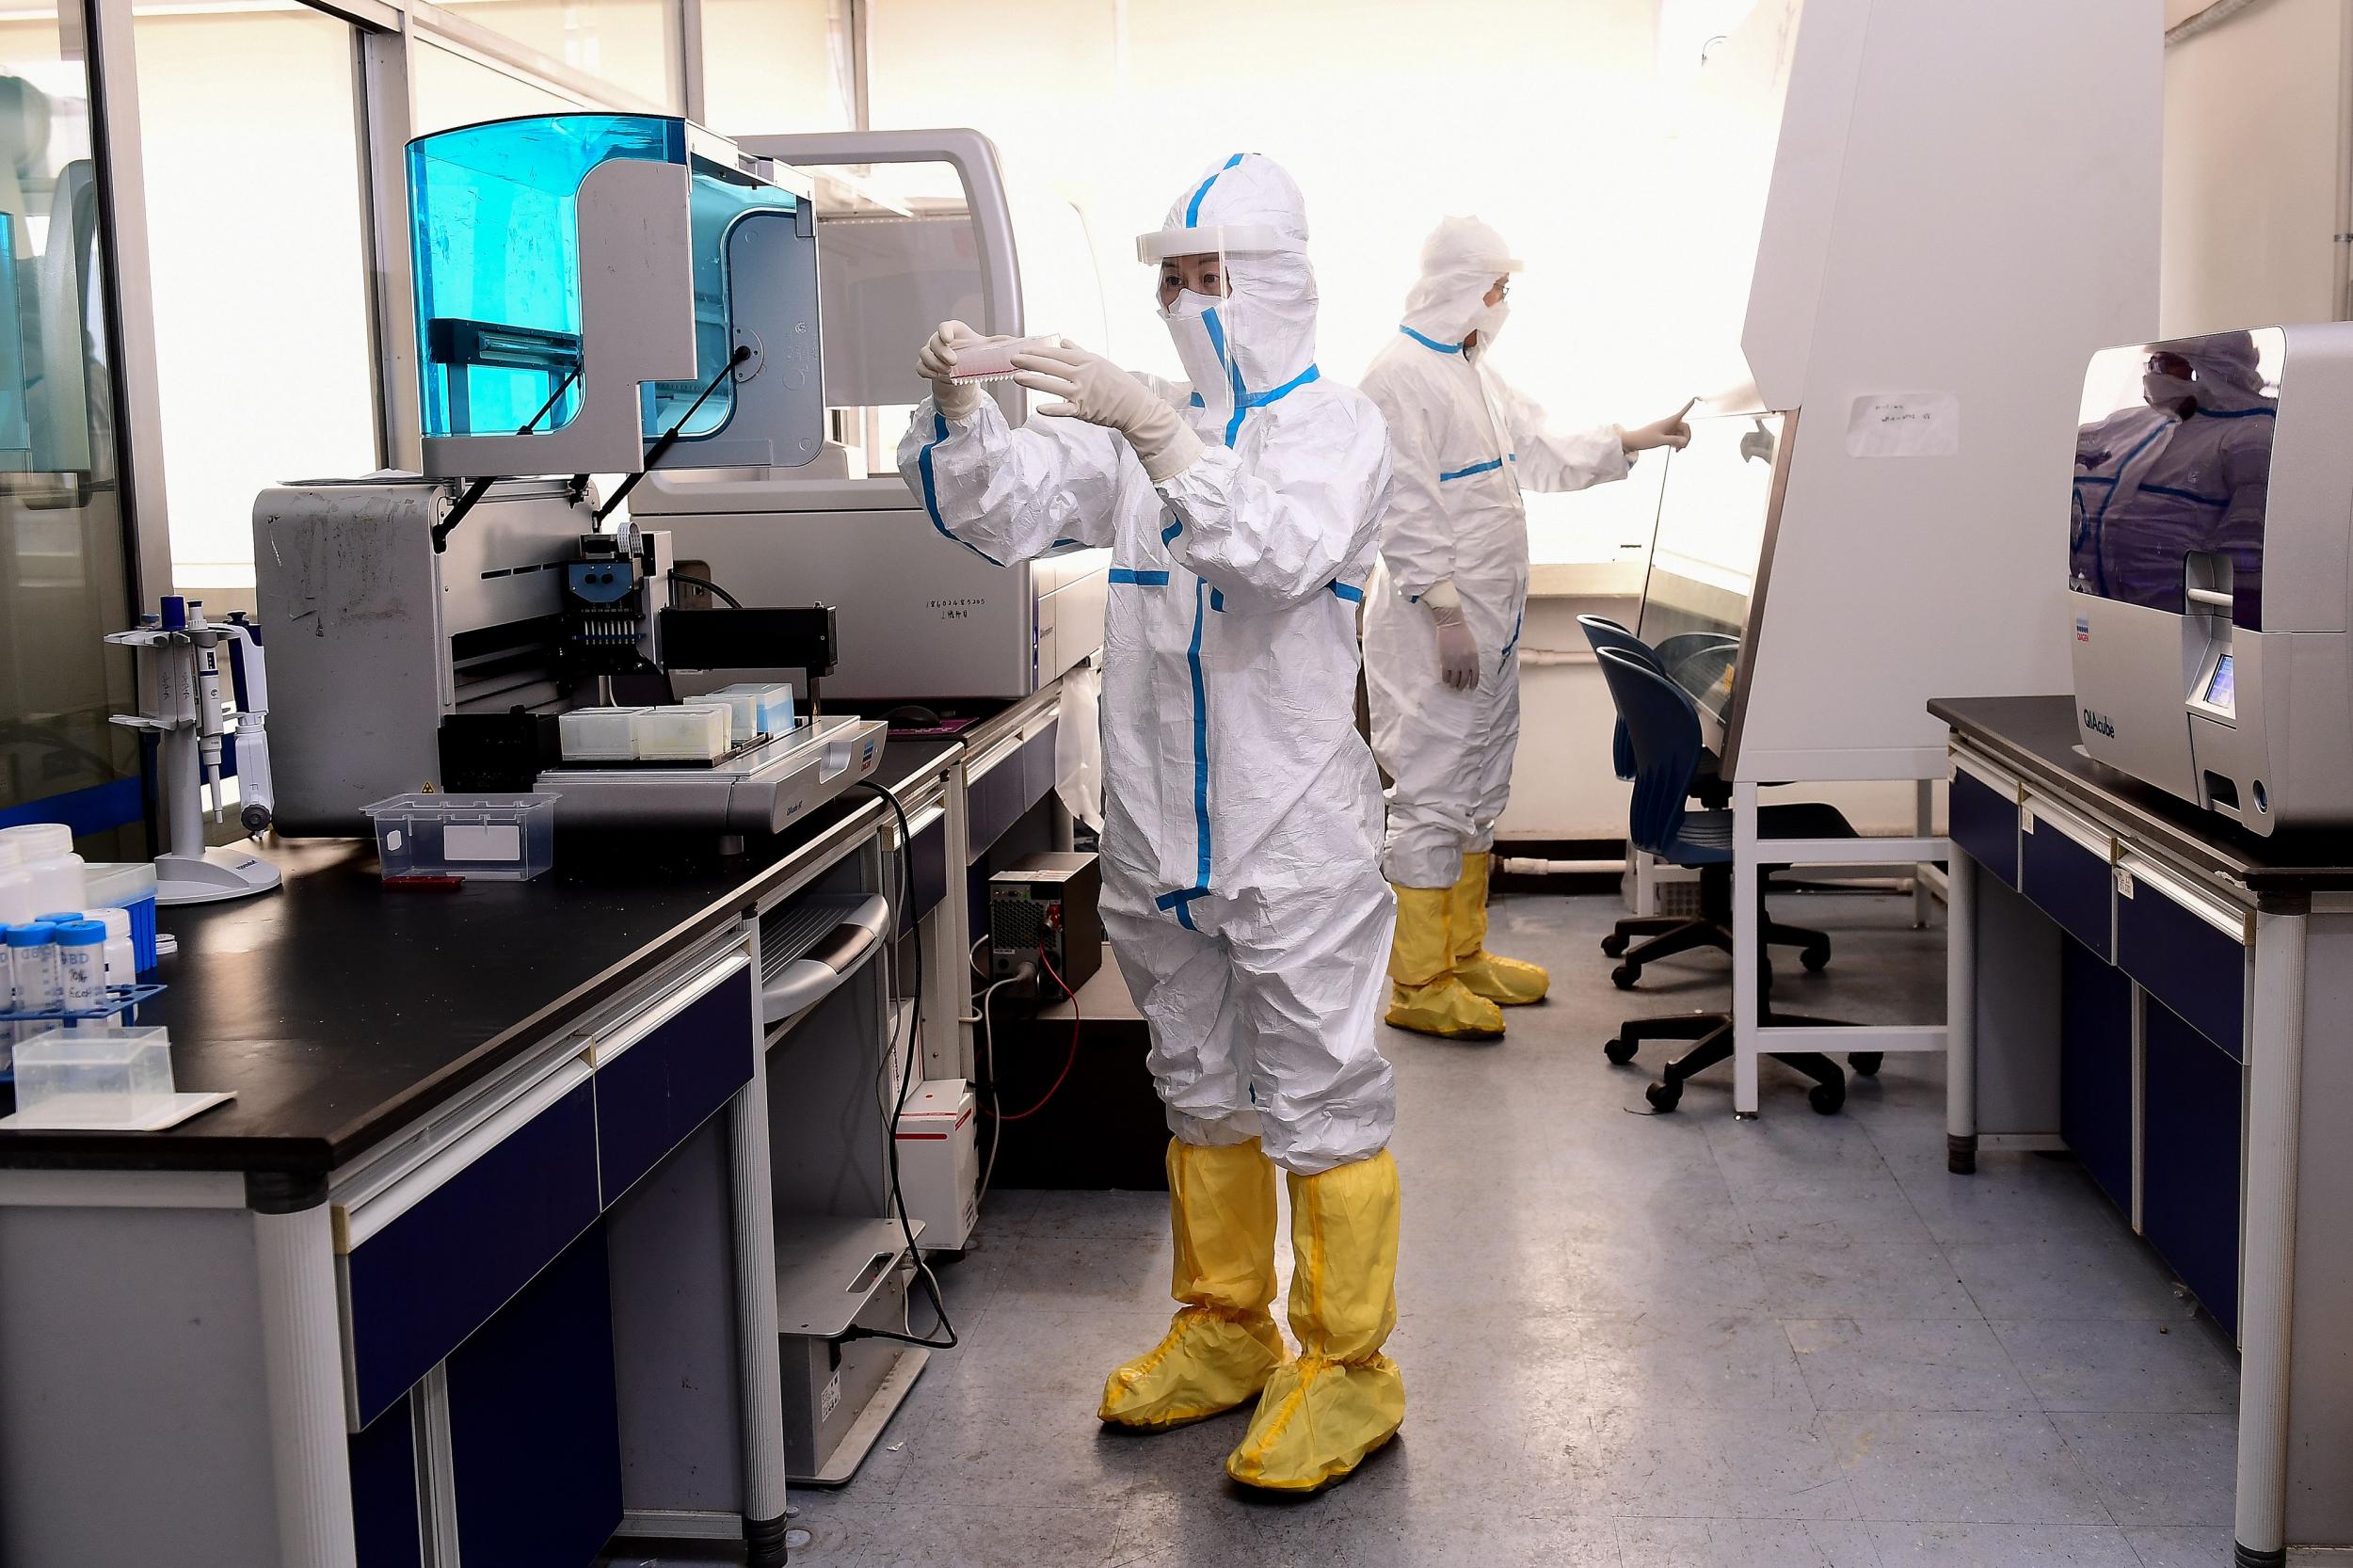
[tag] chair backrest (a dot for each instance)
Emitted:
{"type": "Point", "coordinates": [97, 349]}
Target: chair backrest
{"type": "Point", "coordinates": [1696, 660]}
{"type": "Point", "coordinates": [1663, 729]}
{"type": "Point", "coordinates": [1601, 631]}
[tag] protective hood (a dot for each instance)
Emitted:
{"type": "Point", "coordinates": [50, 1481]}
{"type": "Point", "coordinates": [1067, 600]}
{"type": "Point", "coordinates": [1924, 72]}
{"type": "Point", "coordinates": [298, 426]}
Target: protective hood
{"type": "Point", "coordinates": [1460, 262]}
{"type": "Point", "coordinates": [1261, 338]}
{"type": "Point", "coordinates": [2227, 377]}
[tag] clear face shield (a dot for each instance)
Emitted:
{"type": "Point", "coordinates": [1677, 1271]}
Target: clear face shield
{"type": "Point", "coordinates": [1192, 287]}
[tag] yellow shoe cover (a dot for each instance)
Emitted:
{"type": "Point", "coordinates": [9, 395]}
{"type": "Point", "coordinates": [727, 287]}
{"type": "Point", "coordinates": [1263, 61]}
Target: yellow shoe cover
{"type": "Point", "coordinates": [1222, 1347]}
{"type": "Point", "coordinates": [1448, 1008]}
{"type": "Point", "coordinates": [1343, 1399]}
{"type": "Point", "coordinates": [1512, 981]}
{"type": "Point", "coordinates": [1424, 996]}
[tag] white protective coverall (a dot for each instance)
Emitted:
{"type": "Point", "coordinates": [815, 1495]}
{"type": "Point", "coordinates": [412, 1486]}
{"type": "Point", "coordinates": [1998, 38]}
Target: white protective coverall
{"type": "Point", "coordinates": [1242, 810]}
{"type": "Point", "coordinates": [1465, 444]}
{"type": "Point", "coordinates": [1240, 889]}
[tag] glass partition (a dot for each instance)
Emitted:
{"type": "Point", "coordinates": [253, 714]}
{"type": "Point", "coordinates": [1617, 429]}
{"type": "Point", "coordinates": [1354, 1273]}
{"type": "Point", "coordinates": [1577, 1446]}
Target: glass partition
{"type": "Point", "coordinates": [2173, 472]}
{"type": "Point", "coordinates": [1714, 508]}
{"type": "Point", "coordinates": [63, 568]}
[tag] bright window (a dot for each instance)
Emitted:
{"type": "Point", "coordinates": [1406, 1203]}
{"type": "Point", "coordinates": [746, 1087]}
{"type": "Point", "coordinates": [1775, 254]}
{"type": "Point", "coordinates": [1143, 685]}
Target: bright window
{"type": "Point", "coordinates": [248, 125]}
{"type": "Point", "coordinates": [1543, 118]}
{"type": "Point", "coordinates": [626, 42]}
{"type": "Point", "coordinates": [769, 67]}
{"type": "Point", "coordinates": [450, 88]}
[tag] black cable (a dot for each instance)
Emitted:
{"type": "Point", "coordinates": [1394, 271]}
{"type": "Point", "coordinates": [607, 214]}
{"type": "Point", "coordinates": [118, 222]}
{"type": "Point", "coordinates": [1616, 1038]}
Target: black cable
{"type": "Point", "coordinates": [707, 585]}
{"type": "Point", "coordinates": [906, 1083]}
{"type": "Point", "coordinates": [481, 487]}
{"type": "Point", "coordinates": [661, 448]}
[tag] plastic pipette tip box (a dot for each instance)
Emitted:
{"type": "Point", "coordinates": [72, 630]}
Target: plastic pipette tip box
{"type": "Point", "coordinates": [978, 362]}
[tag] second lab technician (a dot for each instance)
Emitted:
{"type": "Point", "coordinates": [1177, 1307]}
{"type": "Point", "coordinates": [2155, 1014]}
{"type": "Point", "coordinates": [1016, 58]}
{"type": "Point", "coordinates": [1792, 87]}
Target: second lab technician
{"type": "Point", "coordinates": [1442, 624]}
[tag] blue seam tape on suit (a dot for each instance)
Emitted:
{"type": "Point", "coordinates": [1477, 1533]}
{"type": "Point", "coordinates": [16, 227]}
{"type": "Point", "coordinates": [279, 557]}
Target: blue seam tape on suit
{"type": "Point", "coordinates": [1141, 579]}
{"type": "Point", "coordinates": [931, 492]}
{"type": "Point", "coordinates": [1431, 344]}
{"type": "Point", "coordinates": [1488, 467]}
{"type": "Point", "coordinates": [1192, 208]}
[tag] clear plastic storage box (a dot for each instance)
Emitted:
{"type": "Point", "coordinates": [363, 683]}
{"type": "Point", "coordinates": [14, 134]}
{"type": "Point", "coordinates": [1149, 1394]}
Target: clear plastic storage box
{"type": "Point", "coordinates": [93, 1074]}
{"type": "Point", "coordinates": [598, 734]}
{"type": "Point", "coordinates": [771, 704]}
{"type": "Point", "coordinates": [694, 732]}
{"type": "Point", "coordinates": [495, 838]}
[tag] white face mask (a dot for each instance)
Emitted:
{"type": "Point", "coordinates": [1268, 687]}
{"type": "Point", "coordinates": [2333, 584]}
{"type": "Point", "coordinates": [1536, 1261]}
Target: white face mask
{"type": "Point", "coordinates": [1188, 322]}
{"type": "Point", "coordinates": [1489, 322]}
{"type": "Point", "coordinates": [2164, 390]}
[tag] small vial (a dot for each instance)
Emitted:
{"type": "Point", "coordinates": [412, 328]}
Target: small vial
{"type": "Point", "coordinates": [33, 955]}
{"type": "Point", "coordinates": [122, 965]}
{"type": "Point", "coordinates": [82, 965]}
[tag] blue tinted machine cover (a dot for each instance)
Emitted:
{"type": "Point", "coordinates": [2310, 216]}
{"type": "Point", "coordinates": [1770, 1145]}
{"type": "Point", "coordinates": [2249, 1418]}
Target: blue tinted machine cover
{"type": "Point", "coordinates": [581, 284]}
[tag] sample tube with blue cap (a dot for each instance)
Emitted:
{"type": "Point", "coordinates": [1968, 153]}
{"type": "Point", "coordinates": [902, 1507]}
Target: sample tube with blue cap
{"type": "Point", "coordinates": [82, 965]}
{"type": "Point", "coordinates": [37, 985]}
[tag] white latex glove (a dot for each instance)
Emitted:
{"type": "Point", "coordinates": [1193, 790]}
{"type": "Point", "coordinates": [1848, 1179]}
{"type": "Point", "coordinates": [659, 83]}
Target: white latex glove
{"type": "Point", "coordinates": [1458, 654]}
{"type": "Point", "coordinates": [938, 361]}
{"type": "Point", "coordinates": [1675, 431]}
{"type": "Point", "coordinates": [1091, 388]}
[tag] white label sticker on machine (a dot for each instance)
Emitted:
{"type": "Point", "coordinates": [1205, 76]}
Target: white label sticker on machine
{"type": "Point", "coordinates": [830, 1399]}
{"type": "Point", "coordinates": [1904, 425]}
{"type": "Point", "coordinates": [483, 842]}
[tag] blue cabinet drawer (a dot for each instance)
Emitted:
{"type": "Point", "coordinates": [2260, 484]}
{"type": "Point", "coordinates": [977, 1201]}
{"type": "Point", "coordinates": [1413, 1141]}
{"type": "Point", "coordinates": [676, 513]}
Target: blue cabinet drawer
{"type": "Point", "coordinates": [384, 1491]}
{"type": "Point", "coordinates": [2068, 871]}
{"type": "Point", "coordinates": [661, 1077]}
{"type": "Point", "coordinates": [2096, 1069]}
{"type": "Point", "coordinates": [1037, 765]}
{"type": "Point", "coordinates": [534, 1422]}
{"type": "Point", "coordinates": [992, 799]}
{"type": "Point", "coordinates": [2187, 951]}
{"type": "Point", "coordinates": [927, 871]}
{"type": "Point", "coordinates": [2189, 1184]}
{"type": "Point", "coordinates": [1982, 820]}
{"type": "Point", "coordinates": [429, 1258]}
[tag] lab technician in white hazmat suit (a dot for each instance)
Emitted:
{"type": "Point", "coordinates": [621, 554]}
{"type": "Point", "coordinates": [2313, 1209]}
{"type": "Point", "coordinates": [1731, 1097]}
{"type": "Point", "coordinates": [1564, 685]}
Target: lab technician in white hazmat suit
{"type": "Point", "coordinates": [1242, 810]}
{"type": "Point", "coordinates": [1442, 627]}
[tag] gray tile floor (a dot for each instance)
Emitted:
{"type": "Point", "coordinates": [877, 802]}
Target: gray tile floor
{"type": "Point", "coordinates": [1627, 1339]}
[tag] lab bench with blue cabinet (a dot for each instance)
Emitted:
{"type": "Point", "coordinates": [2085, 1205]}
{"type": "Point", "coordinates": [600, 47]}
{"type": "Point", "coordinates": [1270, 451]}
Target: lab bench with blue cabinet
{"type": "Point", "coordinates": [2164, 995]}
{"type": "Point", "coordinates": [484, 1263]}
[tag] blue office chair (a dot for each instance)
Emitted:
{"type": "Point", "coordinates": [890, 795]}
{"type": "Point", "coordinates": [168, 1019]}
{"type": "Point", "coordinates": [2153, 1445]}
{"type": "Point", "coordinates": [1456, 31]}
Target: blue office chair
{"type": "Point", "coordinates": [1701, 657]}
{"type": "Point", "coordinates": [1662, 731]}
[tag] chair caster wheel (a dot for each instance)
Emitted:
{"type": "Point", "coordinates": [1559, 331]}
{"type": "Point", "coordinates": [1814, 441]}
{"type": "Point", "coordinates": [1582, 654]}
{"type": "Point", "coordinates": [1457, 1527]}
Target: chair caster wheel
{"type": "Point", "coordinates": [1665, 1096]}
{"type": "Point", "coordinates": [1816, 959]}
{"type": "Point", "coordinates": [1619, 1051]}
{"type": "Point", "coordinates": [1827, 1098]}
{"type": "Point", "coordinates": [1865, 1064]}
{"type": "Point", "coordinates": [1614, 945]}
{"type": "Point", "coordinates": [1624, 976]}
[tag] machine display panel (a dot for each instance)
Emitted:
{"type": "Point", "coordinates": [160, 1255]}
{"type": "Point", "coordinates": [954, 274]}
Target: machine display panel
{"type": "Point", "coordinates": [2219, 688]}
{"type": "Point", "coordinates": [2172, 470]}
{"type": "Point", "coordinates": [1714, 508]}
